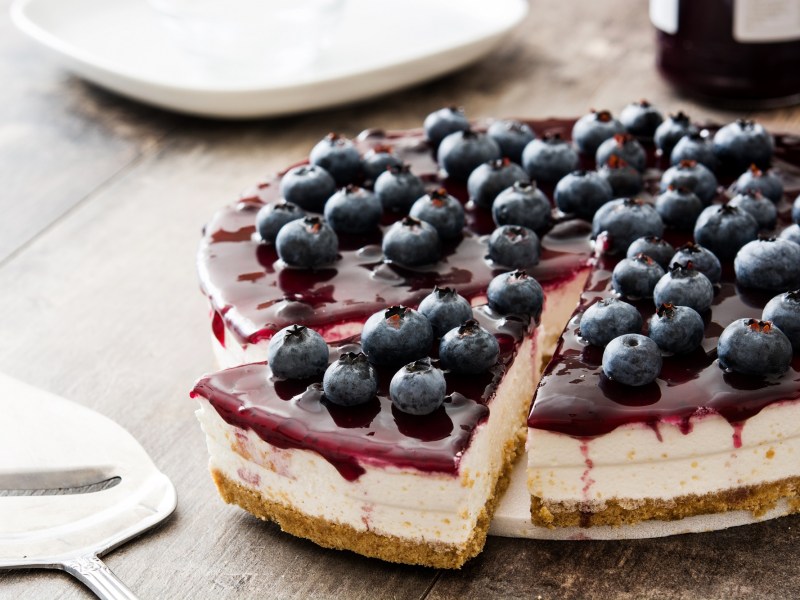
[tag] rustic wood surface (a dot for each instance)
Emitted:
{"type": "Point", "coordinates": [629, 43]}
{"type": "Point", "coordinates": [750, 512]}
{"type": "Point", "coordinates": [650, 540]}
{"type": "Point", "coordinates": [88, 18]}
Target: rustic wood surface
{"type": "Point", "coordinates": [102, 204]}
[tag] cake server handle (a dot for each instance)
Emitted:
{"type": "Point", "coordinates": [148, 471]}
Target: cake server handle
{"type": "Point", "coordinates": [93, 573]}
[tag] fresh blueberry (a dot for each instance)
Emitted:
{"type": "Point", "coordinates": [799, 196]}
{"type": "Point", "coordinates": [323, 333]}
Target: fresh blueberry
{"type": "Point", "coordinates": [640, 119]}
{"type": "Point", "coordinates": [753, 347]}
{"type": "Point", "coordinates": [516, 292]}
{"type": "Point", "coordinates": [353, 210]}
{"type": "Point", "coordinates": [491, 178]}
{"type": "Point", "coordinates": [659, 250]}
{"type": "Point", "coordinates": [441, 210]}
{"type": "Point", "coordinates": [671, 130]}
{"type": "Point", "coordinates": [766, 182]}
{"type": "Point", "coordinates": [684, 286]}
{"type": "Point", "coordinates": [791, 233]}
{"type": "Point", "coordinates": [468, 348]}
{"type": "Point", "coordinates": [623, 146]}
{"type": "Point", "coordinates": [796, 210]}
{"type": "Point", "coordinates": [338, 156]}
{"type": "Point", "coordinates": [784, 311]}
{"type": "Point", "coordinates": [593, 129]}
{"type": "Point", "coordinates": [398, 188]}
{"type": "Point", "coordinates": [512, 137]}
{"type": "Point", "coordinates": [308, 186]}
{"type": "Point", "coordinates": [679, 208]}
{"type": "Point", "coordinates": [743, 143]}
{"type": "Point", "coordinates": [623, 178]}
{"type": "Point", "coordinates": [441, 123]}
{"type": "Point", "coordinates": [351, 380]}
{"type": "Point", "coordinates": [632, 359]}
{"type": "Point", "coordinates": [379, 159]}
{"type": "Point", "coordinates": [701, 259]}
{"type": "Point", "coordinates": [461, 152]}
{"type": "Point", "coordinates": [607, 319]}
{"type": "Point", "coordinates": [412, 243]}
{"type": "Point", "coordinates": [445, 308]}
{"type": "Point", "coordinates": [418, 388]}
{"type": "Point", "coordinates": [761, 208]}
{"type": "Point", "coordinates": [522, 204]}
{"type": "Point", "coordinates": [549, 158]}
{"type": "Point", "coordinates": [271, 217]}
{"type": "Point", "coordinates": [768, 264]}
{"type": "Point", "coordinates": [396, 336]}
{"type": "Point", "coordinates": [581, 193]}
{"type": "Point", "coordinates": [636, 277]}
{"type": "Point", "coordinates": [724, 229]}
{"type": "Point", "coordinates": [676, 329]}
{"type": "Point", "coordinates": [297, 352]}
{"type": "Point", "coordinates": [307, 243]}
{"type": "Point", "coordinates": [514, 246]}
{"type": "Point", "coordinates": [692, 175]}
{"type": "Point", "coordinates": [697, 147]}
{"type": "Point", "coordinates": [624, 220]}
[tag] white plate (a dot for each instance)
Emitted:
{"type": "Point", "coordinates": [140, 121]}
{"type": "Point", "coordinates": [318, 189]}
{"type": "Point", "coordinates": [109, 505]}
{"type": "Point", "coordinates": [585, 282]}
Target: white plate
{"type": "Point", "coordinates": [381, 46]}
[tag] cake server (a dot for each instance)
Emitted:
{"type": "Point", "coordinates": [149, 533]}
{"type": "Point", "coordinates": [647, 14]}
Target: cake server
{"type": "Point", "coordinates": [73, 486]}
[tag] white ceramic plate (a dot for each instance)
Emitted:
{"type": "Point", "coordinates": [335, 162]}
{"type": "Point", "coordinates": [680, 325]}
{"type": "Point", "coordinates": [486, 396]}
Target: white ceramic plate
{"type": "Point", "coordinates": [381, 46]}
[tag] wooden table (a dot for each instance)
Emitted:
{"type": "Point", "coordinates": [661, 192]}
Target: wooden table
{"type": "Point", "coordinates": [102, 204]}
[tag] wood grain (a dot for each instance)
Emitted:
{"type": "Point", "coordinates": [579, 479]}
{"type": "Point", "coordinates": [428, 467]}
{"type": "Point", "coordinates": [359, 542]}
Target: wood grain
{"type": "Point", "coordinates": [104, 205]}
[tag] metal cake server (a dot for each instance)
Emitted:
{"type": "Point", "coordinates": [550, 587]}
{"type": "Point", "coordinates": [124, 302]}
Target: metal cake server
{"type": "Point", "coordinates": [73, 486]}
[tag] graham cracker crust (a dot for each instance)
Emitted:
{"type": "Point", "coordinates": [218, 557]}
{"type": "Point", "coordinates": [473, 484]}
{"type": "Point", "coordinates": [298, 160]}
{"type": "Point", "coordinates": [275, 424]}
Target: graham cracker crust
{"type": "Point", "coordinates": [757, 499]}
{"type": "Point", "coordinates": [390, 548]}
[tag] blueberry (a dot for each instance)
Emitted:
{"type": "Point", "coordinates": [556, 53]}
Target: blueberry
{"type": "Point", "coordinates": [724, 229]}
{"type": "Point", "coordinates": [412, 243]}
{"type": "Point", "coordinates": [514, 246]}
{"type": "Point", "coordinates": [445, 309]}
{"type": "Point", "coordinates": [491, 178]}
{"type": "Point", "coordinates": [522, 204]}
{"type": "Point", "coordinates": [418, 388]}
{"type": "Point", "coordinates": [512, 137]}
{"type": "Point", "coordinates": [768, 264]}
{"type": "Point", "coordinates": [622, 146]}
{"type": "Point", "coordinates": [398, 188]}
{"type": "Point", "coordinates": [676, 329]}
{"type": "Point", "coordinates": [353, 210]}
{"type": "Point", "coordinates": [461, 152]}
{"type": "Point", "coordinates": [549, 158]}
{"type": "Point", "coordinates": [271, 217]}
{"type": "Point", "coordinates": [441, 123]}
{"type": "Point", "coordinates": [784, 311]}
{"type": "Point", "coordinates": [338, 156]}
{"type": "Point", "coordinates": [636, 277]}
{"type": "Point", "coordinates": [581, 193]}
{"type": "Point", "coordinates": [632, 359]}
{"type": "Point", "coordinates": [640, 119]}
{"type": "Point", "coordinates": [516, 292]}
{"type": "Point", "coordinates": [684, 286]}
{"type": "Point", "coordinates": [761, 208]}
{"type": "Point", "coordinates": [624, 220]}
{"type": "Point", "coordinates": [593, 129]}
{"type": "Point", "coordinates": [702, 259]}
{"type": "Point", "coordinates": [659, 250]}
{"type": "Point", "coordinates": [791, 233]}
{"type": "Point", "coordinates": [679, 208]}
{"type": "Point", "coordinates": [350, 381]}
{"type": "Point", "coordinates": [697, 147]}
{"type": "Point", "coordinates": [742, 143]}
{"type": "Point", "coordinates": [441, 210]}
{"type": "Point", "coordinates": [670, 131]}
{"type": "Point", "coordinates": [607, 319]}
{"type": "Point", "coordinates": [692, 175]}
{"type": "Point", "coordinates": [766, 182]}
{"type": "Point", "coordinates": [379, 159]}
{"type": "Point", "coordinates": [308, 186]}
{"type": "Point", "coordinates": [468, 349]}
{"type": "Point", "coordinates": [307, 243]}
{"type": "Point", "coordinates": [753, 347]}
{"type": "Point", "coordinates": [396, 336]}
{"type": "Point", "coordinates": [297, 352]}
{"type": "Point", "coordinates": [623, 178]}
{"type": "Point", "coordinates": [796, 210]}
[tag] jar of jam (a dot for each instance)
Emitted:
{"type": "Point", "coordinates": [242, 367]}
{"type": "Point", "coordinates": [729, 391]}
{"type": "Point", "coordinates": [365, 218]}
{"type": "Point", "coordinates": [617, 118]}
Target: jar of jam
{"type": "Point", "coordinates": [736, 53]}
